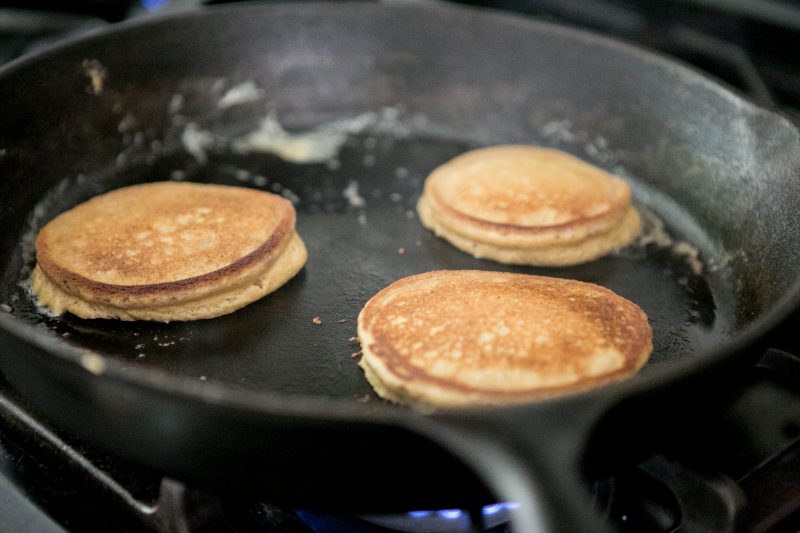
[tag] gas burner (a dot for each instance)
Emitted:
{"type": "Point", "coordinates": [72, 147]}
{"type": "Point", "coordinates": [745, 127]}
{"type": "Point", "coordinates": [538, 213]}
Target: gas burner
{"type": "Point", "coordinates": [751, 484]}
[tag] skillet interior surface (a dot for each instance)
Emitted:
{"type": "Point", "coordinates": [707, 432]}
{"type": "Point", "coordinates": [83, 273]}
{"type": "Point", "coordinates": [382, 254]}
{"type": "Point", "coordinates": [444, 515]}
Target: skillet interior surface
{"type": "Point", "coordinates": [394, 103]}
{"type": "Point", "coordinates": [353, 253]}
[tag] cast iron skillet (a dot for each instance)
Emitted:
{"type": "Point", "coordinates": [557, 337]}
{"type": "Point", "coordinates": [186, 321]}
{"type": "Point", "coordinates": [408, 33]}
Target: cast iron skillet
{"type": "Point", "coordinates": [263, 399]}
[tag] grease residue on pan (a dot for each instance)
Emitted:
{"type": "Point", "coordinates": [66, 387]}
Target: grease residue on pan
{"type": "Point", "coordinates": [317, 145]}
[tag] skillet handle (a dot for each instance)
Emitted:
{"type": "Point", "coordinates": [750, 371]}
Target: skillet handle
{"type": "Point", "coordinates": [531, 456]}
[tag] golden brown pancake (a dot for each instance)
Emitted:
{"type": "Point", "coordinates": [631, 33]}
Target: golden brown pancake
{"type": "Point", "coordinates": [528, 205]}
{"type": "Point", "coordinates": [167, 251]}
{"type": "Point", "coordinates": [455, 338]}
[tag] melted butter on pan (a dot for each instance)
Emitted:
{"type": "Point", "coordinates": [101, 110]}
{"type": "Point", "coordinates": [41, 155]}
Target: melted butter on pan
{"type": "Point", "coordinates": [245, 92]}
{"type": "Point", "coordinates": [318, 145]}
{"type": "Point", "coordinates": [654, 232]}
{"type": "Point", "coordinates": [313, 146]}
{"type": "Point", "coordinates": [196, 141]}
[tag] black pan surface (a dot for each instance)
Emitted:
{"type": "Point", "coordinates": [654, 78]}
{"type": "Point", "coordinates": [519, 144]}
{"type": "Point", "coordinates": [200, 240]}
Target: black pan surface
{"type": "Point", "coordinates": [273, 345]}
{"type": "Point", "coordinates": [267, 390]}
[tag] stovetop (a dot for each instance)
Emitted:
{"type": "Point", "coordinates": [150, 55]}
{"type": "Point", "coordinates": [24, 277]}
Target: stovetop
{"type": "Point", "coordinates": [737, 471]}
{"type": "Point", "coordinates": [739, 474]}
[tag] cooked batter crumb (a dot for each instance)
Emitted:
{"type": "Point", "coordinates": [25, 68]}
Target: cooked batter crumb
{"type": "Point", "coordinates": [401, 250]}
{"type": "Point", "coordinates": [203, 378]}
{"type": "Point", "coordinates": [364, 399]}
{"type": "Point", "coordinates": [342, 321]}
{"type": "Point", "coordinates": [352, 196]}
{"type": "Point", "coordinates": [353, 339]}
{"type": "Point", "coordinates": [355, 354]}
{"type": "Point", "coordinates": [316, 320]}
{"type": "Point", "coordinates": [409, 214]}
{"type": "Point", "coordinates": [93, 363]}
{"type": "Point", "coordinates": [96, 73]}
{"type": "Point", "coordinates": [7, 308]}
{"type": "Point", "coordinates": [175, 104]}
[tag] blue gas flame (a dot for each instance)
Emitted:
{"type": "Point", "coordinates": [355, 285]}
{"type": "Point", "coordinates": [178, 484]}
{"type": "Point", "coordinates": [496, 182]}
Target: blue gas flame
{"type": "Point", "coordinates": [454, 514]}
{"type": "Point", "coordinates": [153, 5]}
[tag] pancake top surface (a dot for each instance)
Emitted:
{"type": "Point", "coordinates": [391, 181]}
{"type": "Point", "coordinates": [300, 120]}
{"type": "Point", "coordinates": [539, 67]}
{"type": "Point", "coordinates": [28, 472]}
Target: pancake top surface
{"type": "Point", "coordinates": [504, 334]}
{"type": "Point", "coordinates": [526, 186]}
{"type": "Point", "coordinates": [163, 232]}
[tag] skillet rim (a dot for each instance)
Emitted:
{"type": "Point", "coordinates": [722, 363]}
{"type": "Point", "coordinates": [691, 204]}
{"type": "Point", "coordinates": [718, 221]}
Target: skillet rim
{"type": "Point", "coordinates": [314, 407]}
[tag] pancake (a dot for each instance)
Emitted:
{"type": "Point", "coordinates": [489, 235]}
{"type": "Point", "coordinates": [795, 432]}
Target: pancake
{"type": "Point", "coordinates": [455, 338]}
{"type": "Point", "coordinates": [167, 251]}
{"type": "Point", "coordinates": [528, 205]}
